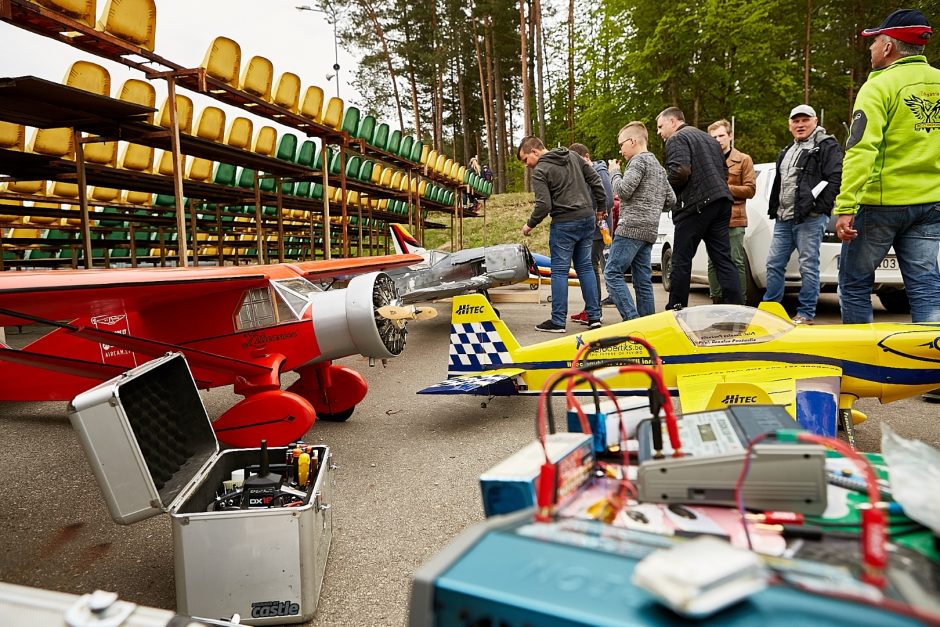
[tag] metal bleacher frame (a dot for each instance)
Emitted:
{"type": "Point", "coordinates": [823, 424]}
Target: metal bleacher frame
{"type": "Point", "coordinates": [126, 125]}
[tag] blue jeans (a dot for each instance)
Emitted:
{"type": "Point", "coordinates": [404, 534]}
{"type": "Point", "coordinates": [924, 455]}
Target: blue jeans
{"type": "Point", "coordinates": [806, 239]}
{"type": "Point", "coordinates": [633, 253]}
{"type": "Point", "coordinates": [569, 243]}
{"type": "Point", "coordinates": [914, 231]}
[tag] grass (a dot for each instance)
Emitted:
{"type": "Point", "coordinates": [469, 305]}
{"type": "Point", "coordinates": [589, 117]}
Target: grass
{"type": "Point", "coordinates": [505, 215]}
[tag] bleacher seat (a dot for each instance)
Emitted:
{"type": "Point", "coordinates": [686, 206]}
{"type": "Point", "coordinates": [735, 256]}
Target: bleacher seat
{"type": "Point", "coordinates": [380, 137]}
{"type": "Point", "coordinates": [258, 77]}
{"type": "Point", "coordinates": [333, 114]}
{"type": "Point", "coordinates": [12, 136]}
{"type": "Point", "coordinates": [287, 148]}
{"type": "Point", "coordinates": [404, 149]}
{"type": "Point", "coordinates": [83, 11]}
{"type": "Point", "coordinates": [265, 141]}
{"type": "Point", "coordinates": [351, 121]}
{"type": "Point", "coordinates": [394, 143]}
{"type": "Point", "coordinates": [184, 114]}
{"type": "Point", "coordinates": [287, 93]}
{"type": "Point", "coordinates": [312, 106]}
{"type": "Point", "coordinates": [134, 21]}
{"type": "Point", "coordinates": [239, 133]}
{"type": "Point", "coordinates": [223, 60]}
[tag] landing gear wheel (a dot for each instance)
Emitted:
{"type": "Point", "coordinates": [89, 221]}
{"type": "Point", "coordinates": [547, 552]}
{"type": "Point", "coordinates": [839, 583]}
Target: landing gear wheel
{"type": "Point", "coordinates": [341, 416]}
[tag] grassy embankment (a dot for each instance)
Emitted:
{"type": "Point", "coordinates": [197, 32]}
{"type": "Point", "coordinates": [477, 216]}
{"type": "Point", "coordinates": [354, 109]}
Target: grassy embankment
{"type": "Point", "coordinates": [505, 215]}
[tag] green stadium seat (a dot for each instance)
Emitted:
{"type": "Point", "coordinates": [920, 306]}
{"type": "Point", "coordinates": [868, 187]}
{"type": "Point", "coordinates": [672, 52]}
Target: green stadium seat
{"type": "Point", "coordinates": [394, 142]}
{"type": "Point", "coordinates": [351, 121]}
{"type": "Point", "coordinates": [380, 138]}
{"type": "Point", "coordinates": [366, 130]}
{"type": "Point", "coordinates": [407, 142]}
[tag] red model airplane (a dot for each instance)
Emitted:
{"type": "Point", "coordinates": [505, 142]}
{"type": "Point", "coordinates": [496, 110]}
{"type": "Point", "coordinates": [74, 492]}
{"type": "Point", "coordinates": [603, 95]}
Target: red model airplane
{"type": "Point", "coordinates": [241, 326]}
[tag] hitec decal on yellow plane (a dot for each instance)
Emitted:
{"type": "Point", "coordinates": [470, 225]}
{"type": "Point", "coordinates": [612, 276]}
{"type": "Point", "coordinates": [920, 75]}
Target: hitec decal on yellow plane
{"type": "Point", "coordinates": [712, 356]}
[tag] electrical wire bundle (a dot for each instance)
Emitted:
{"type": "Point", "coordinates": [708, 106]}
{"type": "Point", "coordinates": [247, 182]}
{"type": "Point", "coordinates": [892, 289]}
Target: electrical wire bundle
{"type": "Point", "coordinates": [595, 374]}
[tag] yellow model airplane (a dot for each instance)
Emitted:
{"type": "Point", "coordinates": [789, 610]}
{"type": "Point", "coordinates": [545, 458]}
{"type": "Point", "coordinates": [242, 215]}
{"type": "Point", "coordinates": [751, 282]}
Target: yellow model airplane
{"type": "Point", "coordinates": [713, 356]}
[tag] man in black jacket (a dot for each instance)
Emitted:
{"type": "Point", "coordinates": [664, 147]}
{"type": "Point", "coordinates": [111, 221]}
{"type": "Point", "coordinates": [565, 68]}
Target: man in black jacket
{"type": "Point", "coordinates": [698, 174]}
{"type": "Point", "coordinates": [809, 174]}
{"type": "Point", "coordinates": [564, 186]}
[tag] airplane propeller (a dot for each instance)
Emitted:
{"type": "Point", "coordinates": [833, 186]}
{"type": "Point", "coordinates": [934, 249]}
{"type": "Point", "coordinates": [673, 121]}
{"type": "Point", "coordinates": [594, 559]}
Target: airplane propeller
{"type": "Point", "coordinates": [408, 312]}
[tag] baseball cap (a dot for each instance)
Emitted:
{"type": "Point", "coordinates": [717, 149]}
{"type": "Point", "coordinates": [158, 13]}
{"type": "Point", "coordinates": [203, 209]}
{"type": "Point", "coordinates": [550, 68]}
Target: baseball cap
{"type": "Point", "coordinates": [907, 25]}
{"type": "Point", "coordinates": [803, 110]}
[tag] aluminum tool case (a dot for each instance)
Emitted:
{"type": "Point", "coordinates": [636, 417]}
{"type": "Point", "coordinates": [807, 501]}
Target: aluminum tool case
{"type": "Point", "coordinates": [152, 448]}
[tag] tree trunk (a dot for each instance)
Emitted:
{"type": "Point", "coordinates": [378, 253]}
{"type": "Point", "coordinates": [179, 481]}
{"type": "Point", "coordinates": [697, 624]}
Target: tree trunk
{"type": "Point", "coordinates": [492, 139]}
{"type": "Point", "coordinates": [806, 50]}
{"type": "Point", "coordinates": [569, 123]}
{"type": "Point", "coordinates": [524, 61]}
{"type": "Point", "coordinates": [464, 123]}
{"type": "Point", "coordinates": [412, 79]}
{"type": "Point", "coordinates": [485, 97]}
{"type": "Point", "coordinates": [539, 63]}
{"type": "Point", "coordinates": [380, 33]}
{"type": "Point", "coordinates": [500, 127]}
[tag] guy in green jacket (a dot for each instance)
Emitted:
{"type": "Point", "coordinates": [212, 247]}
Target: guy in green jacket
{"type": "Point", "coordinates": [890, 194]}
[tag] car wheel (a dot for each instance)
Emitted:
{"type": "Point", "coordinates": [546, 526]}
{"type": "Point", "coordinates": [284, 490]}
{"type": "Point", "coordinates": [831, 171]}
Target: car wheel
{"type": "Point", "coordinates": [895, 301]}
{"type": "Point", "coordinates": [666, 265]}
{"type": "Point", "coordinates": [754, 293]}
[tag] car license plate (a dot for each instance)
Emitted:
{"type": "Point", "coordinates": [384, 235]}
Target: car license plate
{"type": "Point", "coordinates": [888, 263]}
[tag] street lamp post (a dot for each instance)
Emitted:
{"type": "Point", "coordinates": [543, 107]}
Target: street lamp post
{"type": "Point", "coordinates": [332, 14]}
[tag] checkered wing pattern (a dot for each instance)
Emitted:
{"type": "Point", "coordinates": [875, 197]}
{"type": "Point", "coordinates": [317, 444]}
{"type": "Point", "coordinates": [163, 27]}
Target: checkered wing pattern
{"type": "Point", "coordinates": [475, 346]}
{"type": "Point", "coordinates": [475, 384]}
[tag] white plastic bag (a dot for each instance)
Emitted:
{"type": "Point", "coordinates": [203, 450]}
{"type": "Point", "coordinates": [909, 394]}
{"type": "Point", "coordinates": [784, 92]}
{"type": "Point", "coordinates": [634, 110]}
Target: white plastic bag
{"type": "Point", "coordinates": [914, 472]}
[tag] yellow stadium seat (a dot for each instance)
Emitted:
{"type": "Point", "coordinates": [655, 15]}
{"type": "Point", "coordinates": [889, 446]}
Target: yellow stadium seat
{"type": "Point", "coordinates": [387, 175]}
{"type": "Point", "coordinates": [104, 194]}
{"type": "Point", "coordinates": [287, 93]}
{"type": "Point", "coordinates": [312, 106]}
{"type": "Point", "coordinates": [395, 182]}
{"type": "Point", "coordinates": [134, 21]}
{"type": "Point", "coordinates": [166, 163]}
{"type": "Point", "coordinates": [258, 77]}
{"type": "Point", "coordinates": [12, 136]}
{"type": "Point", "coordinates": [136, 157]}
{"type": "Point", "coordinates": [438, 164]}
{"type": "Point", "coordinates": [376, 174]}
{"type": "Point", "coordinates": [425, 153]}
{"type": "Point", "coordinates": [184, 114]}
{"type": "Point", "coordinates": [266, 141]}
{"type": "Point", "coordinates": [27, 187]}
{"type": "Point", "coordinates": [223, 60]}
{"type": "Point", "coordinates": [139, 198]}
{"type": "Point", "coordinates": [333, 116]}
{"type": "Point", "coordinates": [89, 77]}
{"type": "Point", "coordinates": [200, 170]}
{"type": "Point", "coordinates": [239, 133]}
{"type": "Point", "coordinates": [64, 190]}
{"type": "Point", "coordinates": [461, 173]}
{"type": "Point", "coordinates": [75, 213]}
{"type": "Point", "coordinates": [83, 11]}
{"type": "Point", "coordinates": [429, 158]}
{"type": "Point", "coordinates": [422, 186]}
{"type": "Point", "coordinates": [211, 124]}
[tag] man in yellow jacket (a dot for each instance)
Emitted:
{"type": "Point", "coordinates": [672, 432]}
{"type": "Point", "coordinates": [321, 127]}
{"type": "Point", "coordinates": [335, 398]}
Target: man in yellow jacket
{"type": "Point", "coordinates": [890, 194]}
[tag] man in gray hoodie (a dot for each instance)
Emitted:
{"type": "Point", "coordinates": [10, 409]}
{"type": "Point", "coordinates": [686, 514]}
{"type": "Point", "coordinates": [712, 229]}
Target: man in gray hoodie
{"type": "Point", "coordinates": [564, 186]}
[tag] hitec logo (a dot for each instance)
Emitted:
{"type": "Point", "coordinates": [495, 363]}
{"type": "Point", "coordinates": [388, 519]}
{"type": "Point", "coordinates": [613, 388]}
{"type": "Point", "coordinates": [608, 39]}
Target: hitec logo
{"type": "Point", "coordinates": [464, 310]}
{"type": "Point", "coordinates": [737, 399]}
{"type": "Point", "coordinates": [266, 609]}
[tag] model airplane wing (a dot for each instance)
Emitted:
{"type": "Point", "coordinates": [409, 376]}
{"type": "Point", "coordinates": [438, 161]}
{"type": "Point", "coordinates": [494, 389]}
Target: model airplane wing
{"type": "Point", "coordinates": [447, 289]}
{"type": "Point", "coordinates": [810, 392]}
{"type": "Point", "coordinates": [341, 269]}
{"type": "Point", "coordinates": [496, 382]}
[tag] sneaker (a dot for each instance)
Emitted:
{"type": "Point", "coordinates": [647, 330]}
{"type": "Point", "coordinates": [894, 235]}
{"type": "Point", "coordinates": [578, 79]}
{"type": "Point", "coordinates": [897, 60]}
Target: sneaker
{"type": "Point", "coordinates": [594, 324]}
{"type": "Point", "coordinates": [549, 327]}
{"type": "Point", "coordinates": [607, 302]}
{"type": "Point", "coordinates": [801, 319]}
{"type": "Point", "coordinates": [580, 318]}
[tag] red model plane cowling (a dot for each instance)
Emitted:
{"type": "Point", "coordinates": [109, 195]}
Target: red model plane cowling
{"type": "Point", "coordinates": [237, 325]}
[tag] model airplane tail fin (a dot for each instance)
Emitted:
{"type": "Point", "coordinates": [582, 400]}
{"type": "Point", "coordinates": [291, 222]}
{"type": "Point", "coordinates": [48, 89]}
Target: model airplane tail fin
{"type": "Point", "coordinates": [404, 241]}
{"type": "Point", "coordinates": [479, 340]}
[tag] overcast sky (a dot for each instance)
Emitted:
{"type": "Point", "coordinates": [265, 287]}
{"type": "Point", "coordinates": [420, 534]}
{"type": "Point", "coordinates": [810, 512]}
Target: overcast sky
{"type": "Point", "coordinates": [295, 41]}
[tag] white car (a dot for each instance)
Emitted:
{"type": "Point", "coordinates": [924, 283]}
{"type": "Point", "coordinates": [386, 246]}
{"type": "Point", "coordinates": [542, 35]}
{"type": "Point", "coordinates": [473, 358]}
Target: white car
{"type": "Point", "coordinates": [757, 237]}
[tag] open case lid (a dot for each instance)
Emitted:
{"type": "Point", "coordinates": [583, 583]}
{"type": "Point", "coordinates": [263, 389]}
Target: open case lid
{"type": "Point", "coordinates": [147, 436]}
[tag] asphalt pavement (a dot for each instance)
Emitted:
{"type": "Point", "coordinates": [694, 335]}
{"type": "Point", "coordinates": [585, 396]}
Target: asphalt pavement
{"type": "Point", "coordinates": [405, 486]}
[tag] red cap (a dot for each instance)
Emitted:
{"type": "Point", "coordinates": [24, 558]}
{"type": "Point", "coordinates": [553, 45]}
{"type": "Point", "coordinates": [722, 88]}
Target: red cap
{"type": "Point", "coordinates": [907, 25]}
